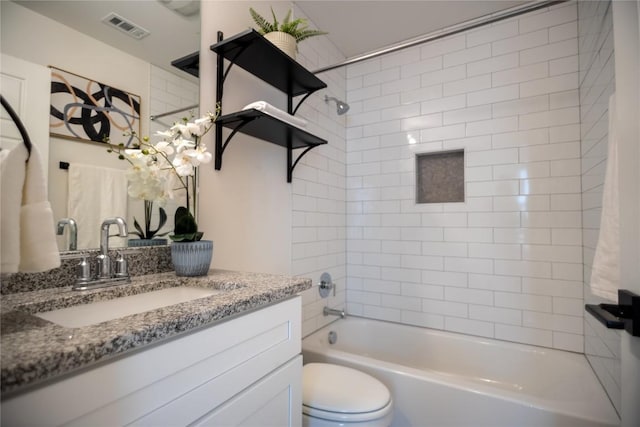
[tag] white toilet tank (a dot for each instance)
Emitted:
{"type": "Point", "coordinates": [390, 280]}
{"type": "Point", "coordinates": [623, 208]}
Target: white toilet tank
{"type": "Point", "coordinates": [334, 395]}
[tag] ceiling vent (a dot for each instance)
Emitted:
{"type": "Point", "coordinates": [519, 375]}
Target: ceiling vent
{"type": "Point", "coordinates": [126, 26]}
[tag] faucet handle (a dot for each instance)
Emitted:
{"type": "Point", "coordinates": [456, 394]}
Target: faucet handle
{"type": "Point", "coordinates": [326, 285]}
{"type": "Point", "coordinates": [121, 269]}
{"type": "Point", "coordinates": [103, 266]}
{"type": "Point", "coordinates": [83, 271]}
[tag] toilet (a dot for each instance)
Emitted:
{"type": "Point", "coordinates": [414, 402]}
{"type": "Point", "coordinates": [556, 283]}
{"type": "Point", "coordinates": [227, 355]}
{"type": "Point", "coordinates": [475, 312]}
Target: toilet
{"type": "Point", "coordinates": [334, 395]}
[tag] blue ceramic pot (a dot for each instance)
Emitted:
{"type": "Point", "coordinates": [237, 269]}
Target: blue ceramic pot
{"type": "Point", "coordinates": [147, 242]}
{"type": "Point", "coordinates": [192, 258]}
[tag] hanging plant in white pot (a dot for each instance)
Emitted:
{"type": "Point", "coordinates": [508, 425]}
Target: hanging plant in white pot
{"type": "Point", "coordinates": [286, 35]}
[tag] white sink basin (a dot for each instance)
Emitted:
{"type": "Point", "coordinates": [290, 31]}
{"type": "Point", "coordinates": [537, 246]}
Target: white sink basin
{"type": "Point", "coordinates": [102, 311]}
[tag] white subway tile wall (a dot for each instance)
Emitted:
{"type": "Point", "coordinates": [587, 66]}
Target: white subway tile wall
{"type": "Point", "coordinates": [319, 180]}
{"type": "Point", "coordinates": [171, 91]}
{"type": "Point", "coordinates": [597, 83]}
{"type": "Point", "coordinates": [506, 263]}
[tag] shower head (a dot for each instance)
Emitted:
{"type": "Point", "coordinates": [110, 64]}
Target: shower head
{"type": "Point", "coordinates": [341, 107]}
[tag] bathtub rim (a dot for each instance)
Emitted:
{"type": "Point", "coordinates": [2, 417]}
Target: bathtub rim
{"type": "Point", "coordinates": [445, 380]}
{"type": "Point", "coordinates": [489, 340]}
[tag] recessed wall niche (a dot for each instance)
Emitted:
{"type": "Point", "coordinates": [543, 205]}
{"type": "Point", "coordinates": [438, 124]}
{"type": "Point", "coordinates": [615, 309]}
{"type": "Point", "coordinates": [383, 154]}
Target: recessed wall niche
{"type": "Point", "coordinates": [440, 177]}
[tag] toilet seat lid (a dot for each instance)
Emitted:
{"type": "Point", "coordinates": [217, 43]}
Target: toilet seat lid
{"type": "Point", "coordinates": [342, 390]}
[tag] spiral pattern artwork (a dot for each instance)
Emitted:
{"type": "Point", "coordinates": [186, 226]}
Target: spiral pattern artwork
{"type": "Point", "coordinates": [89, 110]}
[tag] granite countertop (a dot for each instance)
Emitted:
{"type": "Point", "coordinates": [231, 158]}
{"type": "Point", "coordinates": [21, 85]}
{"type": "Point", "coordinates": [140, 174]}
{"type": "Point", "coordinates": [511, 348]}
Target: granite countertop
{"type": "Point", "coordinates": [35, 350]}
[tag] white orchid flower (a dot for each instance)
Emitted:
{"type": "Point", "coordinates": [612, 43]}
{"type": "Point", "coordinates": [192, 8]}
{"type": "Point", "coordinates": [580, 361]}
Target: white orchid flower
{"type": "Point", "coordinates": [203, 121]}
{"type": "Point", "coordinates": [196, 129]}
{"type": "Point", "coordinates": [164, 147]}
{"type": "Point", "coordinates": [204, 157]}
{"type": "Point", "coordinates": [165, 133]}
{"type": "Point", "coordinates": [160, 171]}
{"type": "Point", "coordinates": [187, 130]}
{"type": "Point", "coordinates": [182, 144]}
{"type": "Point", "coordinates": [172, 185]}
{"type": "Point", "coordinates": [182, 164]}
{"type": "Point", "coordinates": [198, 155]}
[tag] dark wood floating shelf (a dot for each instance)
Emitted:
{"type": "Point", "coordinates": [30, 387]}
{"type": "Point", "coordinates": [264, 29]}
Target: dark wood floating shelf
{"type": "Point", "coordinates": [268, 128]}
{"type": "Point", "coordinates": [255, 54]}
{"type": "Point", "coordinates": [189, 64]}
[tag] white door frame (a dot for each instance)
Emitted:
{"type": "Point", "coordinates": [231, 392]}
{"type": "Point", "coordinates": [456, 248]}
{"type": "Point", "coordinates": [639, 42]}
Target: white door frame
{"type": "Point", "coordinates": [27, 86]}
{"type": "Point", "coordinates": [626, 16]}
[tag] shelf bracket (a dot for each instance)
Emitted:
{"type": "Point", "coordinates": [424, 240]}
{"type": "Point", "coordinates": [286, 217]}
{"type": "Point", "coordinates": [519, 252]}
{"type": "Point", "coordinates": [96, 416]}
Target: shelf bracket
{"type": "Point", "coordinates": [220, 147]}
{"type": "Point", "coordinates": [224, 75]}
{"type": "Point", "coordinates": [304, 98]}
{"type": "Point", "coordinates": [230, 60]}
{"type": "Point", "coordinates": [292, 166]}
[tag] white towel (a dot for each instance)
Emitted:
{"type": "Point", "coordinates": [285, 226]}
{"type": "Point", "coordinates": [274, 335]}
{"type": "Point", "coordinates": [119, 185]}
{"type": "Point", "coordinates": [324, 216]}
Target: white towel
{"type": "Point", "coordinates": [269, 109]}
{"type": "Point", "coordinates": [605, 273]}
{"type": "Point", "coordinates": [26, 227]}
{"type": "Point", "coordinates": [95, 194]}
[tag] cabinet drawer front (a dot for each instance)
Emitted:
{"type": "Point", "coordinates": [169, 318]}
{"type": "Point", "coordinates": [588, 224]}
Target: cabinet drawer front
{"type": "Point", "coordinates": [211, 394]}
{"type": "Point", "coordinates": [276, 401]}
{"type": "Point", "coordinates": [127, 389]}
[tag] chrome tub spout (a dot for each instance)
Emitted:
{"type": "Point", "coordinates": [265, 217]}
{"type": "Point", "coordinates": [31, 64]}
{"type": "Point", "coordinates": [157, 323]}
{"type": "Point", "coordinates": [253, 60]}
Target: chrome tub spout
{"type": "Point", "coordinates": [334, 312]}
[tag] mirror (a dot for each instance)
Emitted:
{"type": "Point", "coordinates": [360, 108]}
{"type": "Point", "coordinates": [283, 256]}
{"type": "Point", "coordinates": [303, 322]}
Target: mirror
{"type": "Point", "coordinates": [72, 37]}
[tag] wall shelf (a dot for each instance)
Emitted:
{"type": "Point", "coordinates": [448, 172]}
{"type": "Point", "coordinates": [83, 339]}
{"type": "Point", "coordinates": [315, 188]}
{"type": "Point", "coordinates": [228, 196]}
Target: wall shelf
{"type": "Point", "coordinates": [257, 124]}
{"type": "Point", "coordinates": [189, 64]}
{"type": "Point", "coordinates": [256, 55]}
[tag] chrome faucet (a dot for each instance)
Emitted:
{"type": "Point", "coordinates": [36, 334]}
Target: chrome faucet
{"type": "Point", "coordinates": [335, 312]}
{"type": "Point", "coordinates": [73, 232]}
{"type": "Point", "coordinates": [104, 275]}
{"type": "Point", "coordinates": [104, 262]}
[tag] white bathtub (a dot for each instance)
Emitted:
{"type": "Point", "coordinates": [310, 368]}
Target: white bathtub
{"type": "Point", "coordinates": [446, 379]}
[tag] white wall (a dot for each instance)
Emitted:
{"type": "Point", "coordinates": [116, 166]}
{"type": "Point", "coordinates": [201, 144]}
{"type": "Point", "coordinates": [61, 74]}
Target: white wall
{"type": "Point", "coordinates": [257, 220]}
{"type": "Point", "coordinates": [507, 263]}
{"type": "Point", "coordinates": [245, 208]}
{"type": "Point", "coordinates": [597, 83]}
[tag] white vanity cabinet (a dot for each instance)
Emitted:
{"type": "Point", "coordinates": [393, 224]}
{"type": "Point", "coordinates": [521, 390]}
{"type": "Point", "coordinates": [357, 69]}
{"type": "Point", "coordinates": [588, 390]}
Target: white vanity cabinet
{"type": "Point", "coordinates": [245, 371]}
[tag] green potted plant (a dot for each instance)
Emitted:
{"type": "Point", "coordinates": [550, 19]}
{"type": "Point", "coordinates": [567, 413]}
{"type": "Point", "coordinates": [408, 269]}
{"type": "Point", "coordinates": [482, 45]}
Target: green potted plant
{"type": "Point", "coordinates": [167, 169]}
{"type": "Point", "coordinates": [284, 35]}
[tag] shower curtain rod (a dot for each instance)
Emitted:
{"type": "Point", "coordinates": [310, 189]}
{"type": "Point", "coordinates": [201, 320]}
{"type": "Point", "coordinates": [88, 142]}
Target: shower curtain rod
{"type": "Point", "coordinates": [168, 113]}
{"type": "Point", "coordinates": [455, 29]}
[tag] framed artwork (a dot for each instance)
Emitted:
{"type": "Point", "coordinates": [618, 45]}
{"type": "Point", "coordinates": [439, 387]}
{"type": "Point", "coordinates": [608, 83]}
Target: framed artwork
{"type": "Point", "coordinates": [88, 110]}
